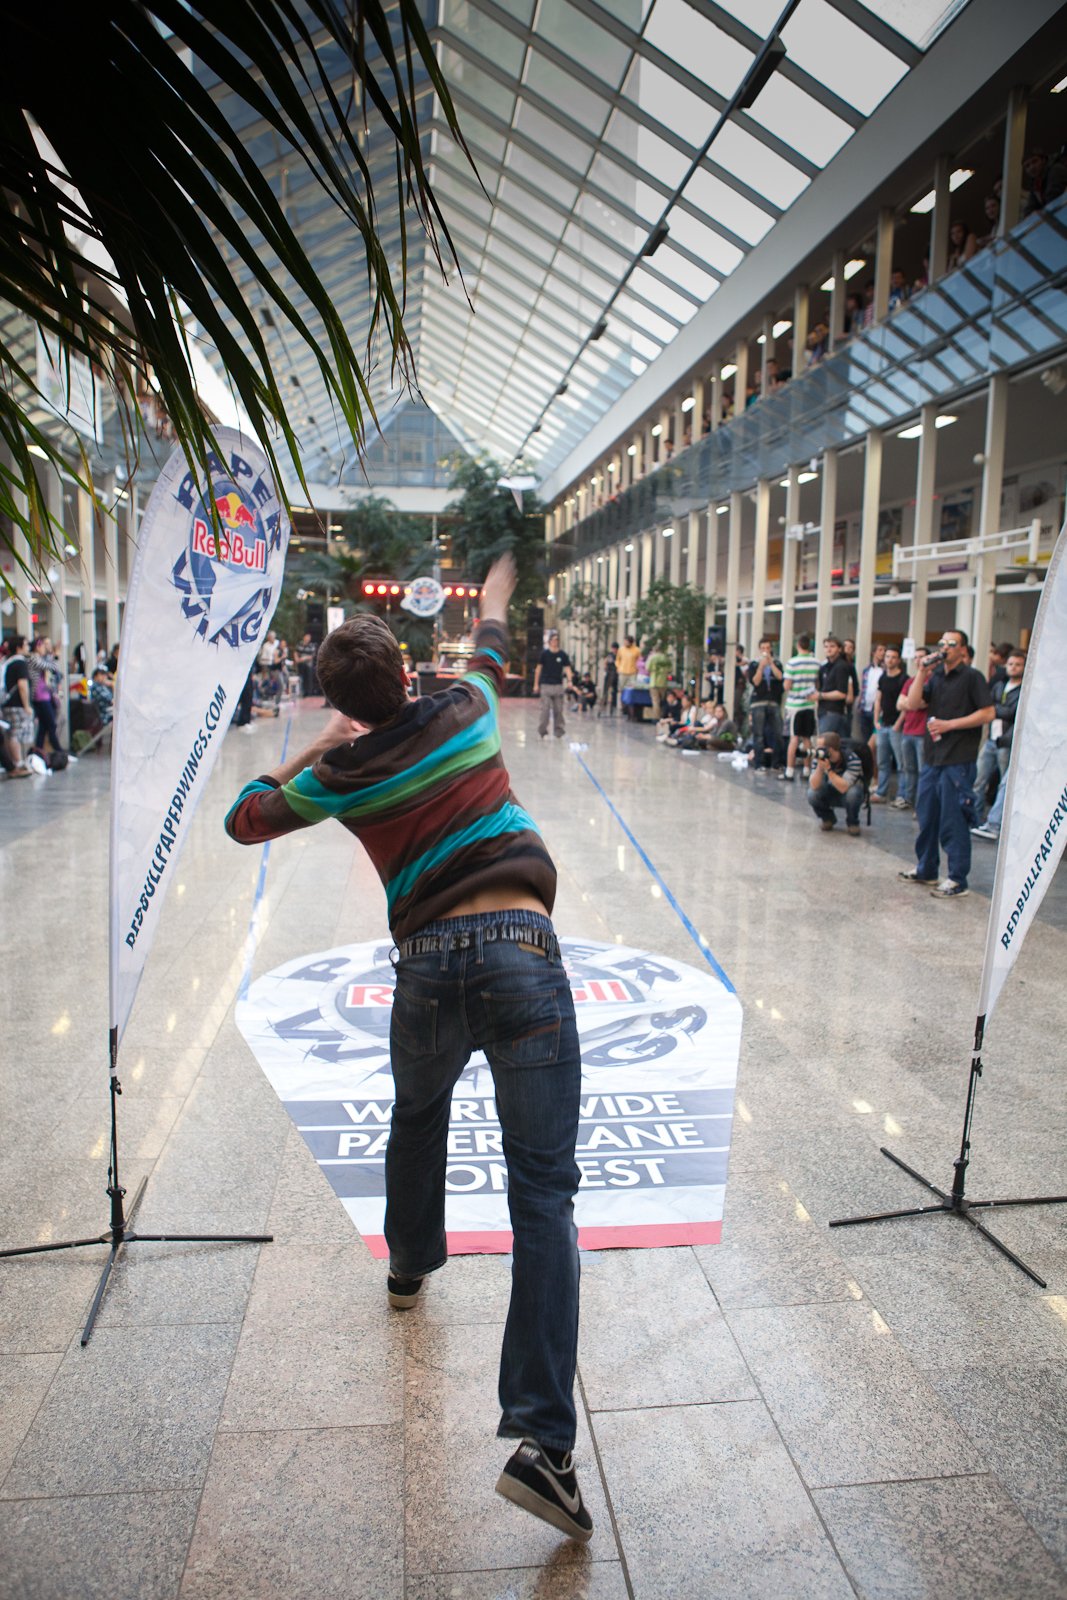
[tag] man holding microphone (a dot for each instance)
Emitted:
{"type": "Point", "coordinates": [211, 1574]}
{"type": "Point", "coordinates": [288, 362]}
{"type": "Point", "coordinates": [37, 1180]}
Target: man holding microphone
{"type": "Point", "coordinates": [960, 705]}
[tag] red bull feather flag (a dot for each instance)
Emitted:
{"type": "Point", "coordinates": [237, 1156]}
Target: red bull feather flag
{"type": "Point", "coordinates": [202, 591]}
{"type": "Point", "coordinates": [1034, 830]}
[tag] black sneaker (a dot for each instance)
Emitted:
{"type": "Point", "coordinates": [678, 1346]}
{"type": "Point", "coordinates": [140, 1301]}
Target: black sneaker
{"type": "Point", "coordinates": [402, 1292]}
{"type": "Point", "coordinates": [531, 1481]}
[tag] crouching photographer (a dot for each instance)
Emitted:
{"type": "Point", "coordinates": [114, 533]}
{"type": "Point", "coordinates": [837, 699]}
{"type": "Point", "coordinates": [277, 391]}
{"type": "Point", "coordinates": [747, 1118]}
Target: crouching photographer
{"type": "Point", "coordinates": [836, 783]}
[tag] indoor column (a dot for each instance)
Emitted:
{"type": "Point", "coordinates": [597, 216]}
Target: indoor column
{"type": "Point", "coordinates": [985, 566]}
{"type": "Point", "coordinates": [733, 587]}
{"type": "Point", "coordinates": [790, 549]}
{"type": "Point", "coordinates": [759, 563]}
{"type": "Point", "coordinates": [827, 519]}
{"type": "Point", "coordinates": [872, 489]}
{"type": "Point", "coordinates": [926, 532]}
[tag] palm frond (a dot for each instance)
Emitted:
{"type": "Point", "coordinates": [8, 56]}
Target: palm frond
{"type": "Point", "coordinates": [132, 205]}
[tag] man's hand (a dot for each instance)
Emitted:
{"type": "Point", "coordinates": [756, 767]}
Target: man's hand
{"type": "Point", "coordinates": [340, 730]}
{"type": "Point", "coordinates": [497, 589]}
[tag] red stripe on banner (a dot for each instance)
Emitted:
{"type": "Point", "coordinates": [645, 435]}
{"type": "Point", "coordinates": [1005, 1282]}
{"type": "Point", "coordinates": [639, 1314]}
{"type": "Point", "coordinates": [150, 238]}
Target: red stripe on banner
{"type": "Point", "coordinates": [644, 1236]}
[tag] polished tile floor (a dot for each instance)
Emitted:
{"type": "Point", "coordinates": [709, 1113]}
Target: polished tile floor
{"type": "Point", "coordinates": [796, 1412]}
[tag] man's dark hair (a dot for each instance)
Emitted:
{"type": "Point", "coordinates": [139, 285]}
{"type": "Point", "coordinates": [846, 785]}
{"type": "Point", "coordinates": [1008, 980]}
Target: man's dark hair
{"type": "Point", "coordinates": [99, 672]}
{"type": "Point", "coordinates": [831, 740]}
{"type": "Point", "coordinates": [1003, 651]}
{"type": "Point", "coordinates": [360, 669]}
{"type": "Point", "coordinates": [763, 641]}
{"type": "Point", "coordinates": [803, 641]}
{"type": "Point", "coordinates": [629, 638]}
{"type": "Point", "coordinates": [961, 636]}
{"type": "Point", "coordinates": [831, 638]}
{"type": "Point", "coordinates": [1017, 650]}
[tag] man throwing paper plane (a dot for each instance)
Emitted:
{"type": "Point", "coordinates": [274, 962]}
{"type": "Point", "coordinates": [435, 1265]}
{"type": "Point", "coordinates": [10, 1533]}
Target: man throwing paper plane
{"type": "Point", "coordinates": [469, 887]}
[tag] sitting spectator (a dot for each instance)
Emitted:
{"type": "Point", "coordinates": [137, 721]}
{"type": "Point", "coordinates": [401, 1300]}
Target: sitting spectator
{"type": "Point", "coordinates": [716, 731]}
{"type": "Point", "coordinates": [836, 783]}
{"type": "Point", "coordinates": [962, 245]}
{"type": "Point", "coordinates": [102, 696]}
{"type": "Point", "coordinates": [583, 691]}
{"type": "Point", "coordinates": [1044, 180]}
{"type": "Point", "coordinates": [667, 728]}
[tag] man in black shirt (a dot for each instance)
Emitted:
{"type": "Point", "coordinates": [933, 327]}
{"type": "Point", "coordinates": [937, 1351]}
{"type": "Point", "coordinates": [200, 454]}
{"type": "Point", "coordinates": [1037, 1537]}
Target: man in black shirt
{"type": "Point", "coordinates": [960, 706]}
{"type": "Point", "coordinates": [552, 674]}
{"type": "Point", "coordinates": [886, 717]}
{"type": "Point", "coordinates": [835, 688]}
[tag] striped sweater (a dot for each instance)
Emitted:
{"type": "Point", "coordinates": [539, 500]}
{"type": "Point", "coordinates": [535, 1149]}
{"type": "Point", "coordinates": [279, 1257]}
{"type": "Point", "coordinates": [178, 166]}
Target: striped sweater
{"type": "Point", "coordinates": [427, 795]}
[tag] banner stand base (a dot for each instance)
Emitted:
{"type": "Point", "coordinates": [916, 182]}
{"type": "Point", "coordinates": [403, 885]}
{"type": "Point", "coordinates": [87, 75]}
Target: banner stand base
{"type": "Point", "coordinates": [956, 1204]}
{"type": "Point", "coordinates": [121, 1231]}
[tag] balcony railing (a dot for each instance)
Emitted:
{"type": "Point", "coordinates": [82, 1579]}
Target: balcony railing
{"type": "Point", "coordinates": [1004, 309]}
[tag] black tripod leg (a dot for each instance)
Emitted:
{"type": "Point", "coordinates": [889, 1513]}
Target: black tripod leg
{"type": "Point", "coordinates": [202, 1238]}
{"type": "Point", "coordinates": [101, 1289]}
{"type": "Point", "coordinates": [1002, 1247]}
{"type": "Point", "coordinates": [903, 1165]}
{"type": "Point", "coordinates": [887, 1216]}
{"type": "Point", "coordinates": [1031, 1200]}
{"type": "Point", "coordinates": [67, 1244]}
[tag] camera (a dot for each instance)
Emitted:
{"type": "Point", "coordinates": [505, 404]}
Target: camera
{"type": "Point", "coordinates": [822, 754]}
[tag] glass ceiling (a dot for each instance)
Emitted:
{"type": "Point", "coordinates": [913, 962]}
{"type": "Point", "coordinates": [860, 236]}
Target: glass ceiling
{"type": "Point", "coordinates": [583, 120]}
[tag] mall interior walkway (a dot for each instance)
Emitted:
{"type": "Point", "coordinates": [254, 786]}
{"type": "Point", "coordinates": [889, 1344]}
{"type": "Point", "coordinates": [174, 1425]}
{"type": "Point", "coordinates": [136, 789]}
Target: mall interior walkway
{"type": "Point", "coordinates": [794, 1413]}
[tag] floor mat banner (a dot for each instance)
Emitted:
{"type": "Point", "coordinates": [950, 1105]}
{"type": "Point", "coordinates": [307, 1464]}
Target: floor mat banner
{"type": "Point", "coordinates": [660, 1045]}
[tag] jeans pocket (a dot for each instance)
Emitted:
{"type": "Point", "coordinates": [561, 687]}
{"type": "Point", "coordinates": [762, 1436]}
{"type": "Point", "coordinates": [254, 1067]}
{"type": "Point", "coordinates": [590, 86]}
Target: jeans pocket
{"type": "Point", "coordinates": [523, 1027]}
{"type": "Point", "coordinates": [414, 1024]}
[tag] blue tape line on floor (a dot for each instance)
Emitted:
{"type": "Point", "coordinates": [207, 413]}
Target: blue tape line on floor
{"type": "Point", "coordinates": [261, 883]}
{"type": "Point", "coordinates": [697, 938]}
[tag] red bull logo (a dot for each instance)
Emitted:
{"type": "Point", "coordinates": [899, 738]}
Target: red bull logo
{"type": "Point", "coordinates": [234, 547]}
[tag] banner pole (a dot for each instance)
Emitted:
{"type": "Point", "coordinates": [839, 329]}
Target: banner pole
{"type": "Point", "coordinates": [1028, 852]}
{"type": "Point", "coordinates": [190, 591]}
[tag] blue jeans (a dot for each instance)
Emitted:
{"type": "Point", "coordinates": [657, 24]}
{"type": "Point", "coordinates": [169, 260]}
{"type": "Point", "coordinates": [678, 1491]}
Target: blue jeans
{"type": "Point", "coordinates": [766, 731]}
{"type": "Point", "coordinates": [945, 809]}
{"type": "Point", "coordinates": [514, 1002]}
{"type": "Point", "coordinates": [890, 759]}
{"type": "Point", "coordinates": [911, 750]}
{"type": "Point", "coordinates": [835, 722]}
{"type": "Point", "coordinates": [990, 760]}
{"type": "Point", "coordinates": [995, 819]}
{"type": "Point", "coordinates": [826, 799]}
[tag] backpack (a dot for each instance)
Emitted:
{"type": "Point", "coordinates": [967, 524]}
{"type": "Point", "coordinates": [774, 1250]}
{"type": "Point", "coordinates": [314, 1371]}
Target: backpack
{"type": "Point", "coordinates": [862, 749]}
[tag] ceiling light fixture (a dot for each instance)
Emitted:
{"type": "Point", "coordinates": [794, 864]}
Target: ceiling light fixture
{"type": "Point", "coordinates": [727, 371]}
{"type": "Point", "coordinates": [632, 451]}
{"type": "Point", "coordinates": [960, 176]}
{"type": "Point", "coordinates": [780, 328]}
{"type": "Point", "coordinates": [655, 239]}
{"type": "Point", "coordinates": [759, 74]}
{"type": "Point", "coordinates": [657, 430]}
{"type": "Point", "coordinates": [688, 403]}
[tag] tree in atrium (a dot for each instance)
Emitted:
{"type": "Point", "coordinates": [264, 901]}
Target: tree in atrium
{"type": "Point", "coordinates": [585, 609]}
{"type": "Point", "coordinates": [137, 223]}
{"type": "Point", "coordinates": [487, 522]}
{"type": "Point", "coordinates": [674, 613]}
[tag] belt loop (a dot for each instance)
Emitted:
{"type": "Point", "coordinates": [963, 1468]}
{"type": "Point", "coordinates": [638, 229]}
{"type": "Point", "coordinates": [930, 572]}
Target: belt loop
{"type": "Point", "coordinates": [446, 944]}
{"type": "Point", "coordinates": [478, 943]}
